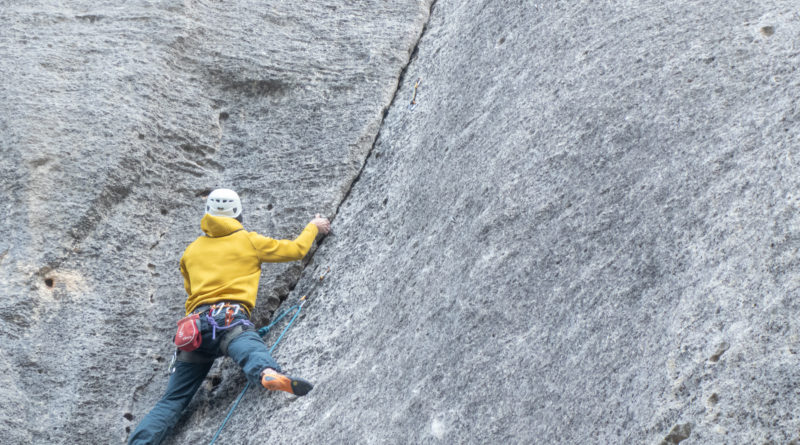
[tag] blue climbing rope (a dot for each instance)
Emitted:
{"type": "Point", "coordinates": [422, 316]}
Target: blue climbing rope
{"type": "Point", "coordinates": [263, 332]}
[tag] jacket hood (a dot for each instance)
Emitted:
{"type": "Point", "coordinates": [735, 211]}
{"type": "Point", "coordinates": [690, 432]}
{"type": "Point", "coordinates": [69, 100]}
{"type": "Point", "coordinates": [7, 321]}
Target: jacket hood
{"type": "Point", "coordinates": [216, 226]}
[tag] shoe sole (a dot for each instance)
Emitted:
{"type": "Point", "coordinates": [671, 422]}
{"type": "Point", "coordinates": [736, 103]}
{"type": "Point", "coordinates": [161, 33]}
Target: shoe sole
{"type": "Point", "coordinates": [301, 387]}
{"type": "Point", "coordinates": [296, 386]}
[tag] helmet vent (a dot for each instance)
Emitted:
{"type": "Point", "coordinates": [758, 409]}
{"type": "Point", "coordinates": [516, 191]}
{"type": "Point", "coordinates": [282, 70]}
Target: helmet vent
{"type": "Point", "coordinates": [223, 202]}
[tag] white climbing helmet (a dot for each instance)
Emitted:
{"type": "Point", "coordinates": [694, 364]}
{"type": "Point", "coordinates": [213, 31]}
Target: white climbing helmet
{"type": "Point", "coordinates": [224, 202]}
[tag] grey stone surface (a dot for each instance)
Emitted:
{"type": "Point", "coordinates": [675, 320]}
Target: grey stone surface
{"type": "Point", "coordinates": [116, 118]}
{"type": "Point", "coordinates": [585, 232]}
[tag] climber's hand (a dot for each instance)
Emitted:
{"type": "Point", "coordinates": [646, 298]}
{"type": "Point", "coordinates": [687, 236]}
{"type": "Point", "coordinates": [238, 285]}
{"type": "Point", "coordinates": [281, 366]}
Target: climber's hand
{"type": "Point", "coordinates": [322, 224]}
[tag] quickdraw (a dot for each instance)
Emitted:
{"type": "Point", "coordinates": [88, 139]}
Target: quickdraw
{"type": "Point", "coordinates": [229, 314]}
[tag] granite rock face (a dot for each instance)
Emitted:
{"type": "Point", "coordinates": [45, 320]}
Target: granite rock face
{"type": "Point", "coordinates": [117, 118]}
{"type": "Point", "coordinates": [585, 229]}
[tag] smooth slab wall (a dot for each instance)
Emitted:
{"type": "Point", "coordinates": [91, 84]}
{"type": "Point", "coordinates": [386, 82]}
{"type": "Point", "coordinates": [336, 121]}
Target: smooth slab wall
{"type": "Point", "coordinates": [584, 231]}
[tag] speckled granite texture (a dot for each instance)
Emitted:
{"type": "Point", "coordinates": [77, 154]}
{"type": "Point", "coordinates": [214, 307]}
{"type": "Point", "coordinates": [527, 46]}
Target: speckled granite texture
{"type": "Point", "coordinates": [585, 231]}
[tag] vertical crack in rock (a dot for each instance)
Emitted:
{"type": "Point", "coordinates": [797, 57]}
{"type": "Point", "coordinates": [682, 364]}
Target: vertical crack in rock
{"type": "Point", "coordinates": [294, 280]}
{"type": "Point", "coordinates": [400, 78]}
{"type": "Point", "coordinates": [385, 111]}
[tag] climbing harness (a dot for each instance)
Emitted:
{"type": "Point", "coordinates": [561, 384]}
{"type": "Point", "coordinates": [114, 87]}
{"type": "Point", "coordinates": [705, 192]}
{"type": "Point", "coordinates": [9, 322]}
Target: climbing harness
{"type": "Point", "coordinates": [188, 337]}
{"type": "Point", "coordinates": [413, 103]}
{"type": "Point", "coordinates": [229, 314]}
{"type": "Point", "coordinates": [263, 333]}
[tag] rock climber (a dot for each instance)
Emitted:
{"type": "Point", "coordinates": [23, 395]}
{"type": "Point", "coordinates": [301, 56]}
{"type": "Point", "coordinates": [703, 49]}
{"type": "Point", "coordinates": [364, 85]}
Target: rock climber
{"type": "Point", "coordinates": [220, 272]}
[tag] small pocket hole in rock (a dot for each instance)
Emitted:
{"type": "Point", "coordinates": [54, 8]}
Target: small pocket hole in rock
{"type": "Point", "coordinates": [721, 348]}
{"type": "Point", "coordinates": [215, 381]}
{"type": "Point", "coordinates": [49, 282]}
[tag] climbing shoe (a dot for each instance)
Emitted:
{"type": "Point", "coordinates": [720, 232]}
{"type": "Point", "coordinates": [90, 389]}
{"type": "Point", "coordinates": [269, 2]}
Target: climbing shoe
{"type": "Point", "coordinates": [276, 381]}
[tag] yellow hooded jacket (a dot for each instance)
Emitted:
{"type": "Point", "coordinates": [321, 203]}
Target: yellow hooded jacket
{"type": "Point", "coordinates": [225, 265]}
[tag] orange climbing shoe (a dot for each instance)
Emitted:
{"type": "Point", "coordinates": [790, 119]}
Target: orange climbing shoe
{"type": "Point", "coordinates": [275, 381]}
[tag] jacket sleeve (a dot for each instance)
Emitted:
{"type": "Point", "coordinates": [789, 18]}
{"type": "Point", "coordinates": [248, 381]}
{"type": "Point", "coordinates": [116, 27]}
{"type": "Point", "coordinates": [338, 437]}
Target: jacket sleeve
{"type": "Point", "coordinates": [186, 283]}
{"type": "Point", "coordinates": [276, 251]}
